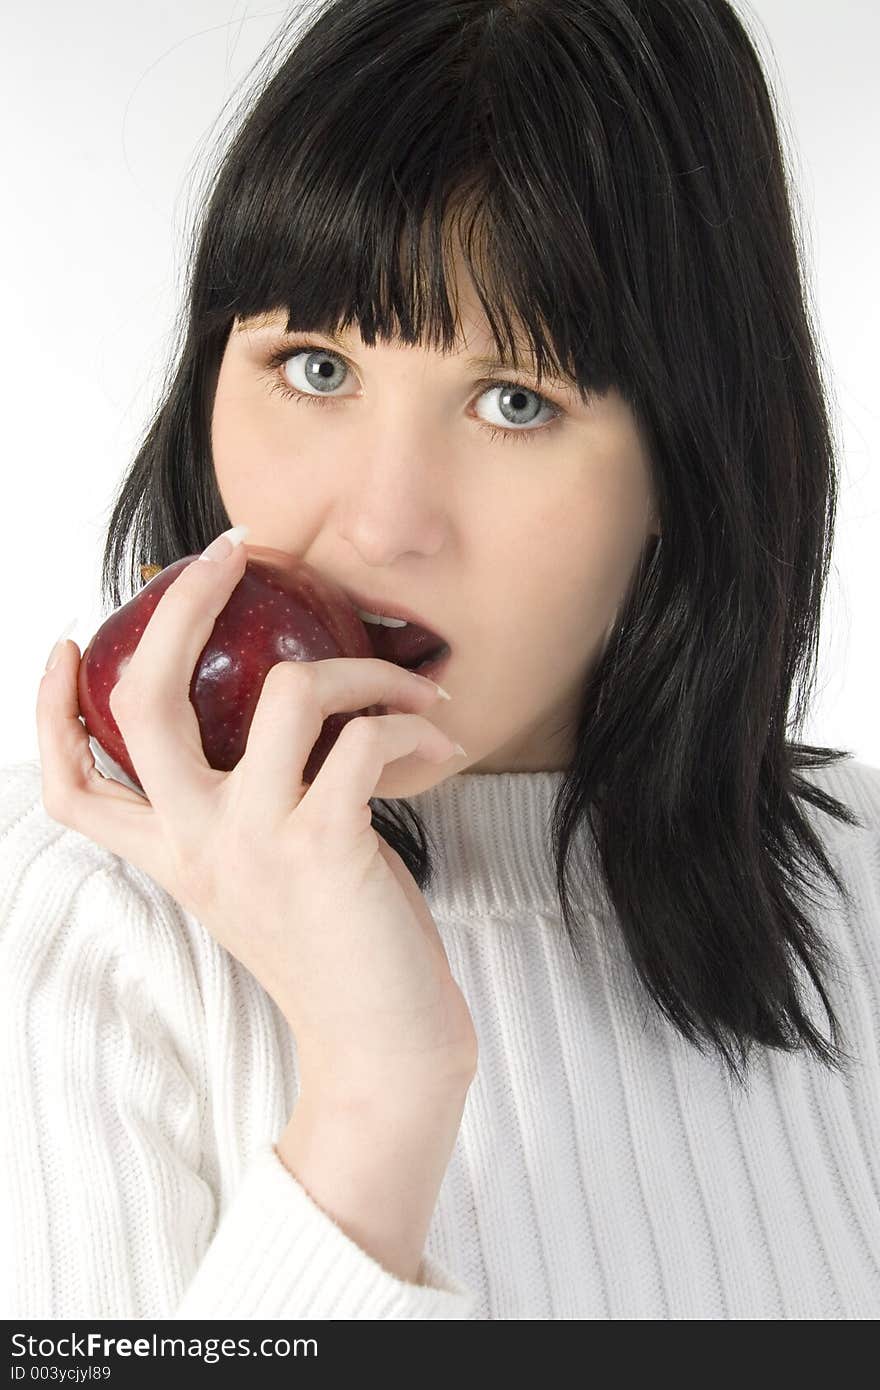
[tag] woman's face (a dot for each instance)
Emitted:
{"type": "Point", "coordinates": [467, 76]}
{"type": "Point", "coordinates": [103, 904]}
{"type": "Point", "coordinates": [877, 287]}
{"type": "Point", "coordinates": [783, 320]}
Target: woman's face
{"type": "Point", "coordinates": [517, 550]}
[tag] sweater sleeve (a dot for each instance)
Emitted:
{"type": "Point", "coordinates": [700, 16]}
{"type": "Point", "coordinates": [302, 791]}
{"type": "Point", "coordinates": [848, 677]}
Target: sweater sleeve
{"type": "Point", "coordinates": [277, 1254]}
{"type": "Point", "coordinates": [112, 1206]}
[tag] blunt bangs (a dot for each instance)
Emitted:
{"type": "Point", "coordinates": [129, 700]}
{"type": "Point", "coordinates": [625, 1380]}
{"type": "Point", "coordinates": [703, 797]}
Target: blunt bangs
{"type": "Point", "coordinates": [316, 221]}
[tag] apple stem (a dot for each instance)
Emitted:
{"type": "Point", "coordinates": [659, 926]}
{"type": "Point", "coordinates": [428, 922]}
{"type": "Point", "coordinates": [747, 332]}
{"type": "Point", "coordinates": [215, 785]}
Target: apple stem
{"type": "Point", "coordinates": [149, 572]}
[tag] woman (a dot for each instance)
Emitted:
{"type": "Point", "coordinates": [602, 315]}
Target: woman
{"type": "Point", "coordinates": [448, 1033]}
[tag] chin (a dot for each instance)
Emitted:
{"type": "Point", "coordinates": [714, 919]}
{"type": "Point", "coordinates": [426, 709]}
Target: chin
{"type": "Point", "coordinates": [410, 775]}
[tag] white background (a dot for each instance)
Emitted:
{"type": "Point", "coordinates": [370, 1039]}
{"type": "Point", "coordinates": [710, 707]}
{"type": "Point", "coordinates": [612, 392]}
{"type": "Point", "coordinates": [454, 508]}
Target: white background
{"type": "Point", "coordinates": [110, 113]}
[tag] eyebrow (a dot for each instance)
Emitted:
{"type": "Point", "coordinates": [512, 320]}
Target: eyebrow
{"type": "Point", "coordinates": [487, 363]}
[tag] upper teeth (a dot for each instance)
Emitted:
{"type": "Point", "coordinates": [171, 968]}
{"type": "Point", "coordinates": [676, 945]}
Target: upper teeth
{"type": "Point", "coordinates": [377, 618]}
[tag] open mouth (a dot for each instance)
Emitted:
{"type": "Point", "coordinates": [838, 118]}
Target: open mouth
{"type": "Point", "coordinates": [431, 664]}
{"type": "Point", "coordinates": [412, 646]}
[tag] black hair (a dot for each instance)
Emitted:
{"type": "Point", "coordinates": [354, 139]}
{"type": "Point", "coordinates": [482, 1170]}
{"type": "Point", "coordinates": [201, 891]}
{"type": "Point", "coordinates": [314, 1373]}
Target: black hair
{"type": "Point", "coordinates": [614, 174]}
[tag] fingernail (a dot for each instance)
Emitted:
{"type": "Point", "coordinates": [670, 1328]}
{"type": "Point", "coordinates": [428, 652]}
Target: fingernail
{"type": "Point", "coordinates": [225, 543]}
{"type": "Point", "coordinates": [444, 694]}
{"type": "Point", "coordinates": [457, 752]}
{"type": "Point", "coordinates": [56, 650]}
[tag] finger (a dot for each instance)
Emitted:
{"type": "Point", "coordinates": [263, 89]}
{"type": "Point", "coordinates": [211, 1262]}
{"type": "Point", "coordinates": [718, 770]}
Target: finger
{"type": "Point", "coordinates": [151, 703]}
{"type": "Point", "coordinates": [338, 799]}
{"type": "Point", "coordinates": [74, 792]}
{"type": "Point", "coordinates": [296, 698]}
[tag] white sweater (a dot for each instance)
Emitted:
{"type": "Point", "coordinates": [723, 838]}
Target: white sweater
{"type": "Point", "coordinates": [603, 1168]}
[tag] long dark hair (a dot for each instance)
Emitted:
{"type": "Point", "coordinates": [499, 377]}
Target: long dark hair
{"type": "Point", "coordinates": [614, 175]}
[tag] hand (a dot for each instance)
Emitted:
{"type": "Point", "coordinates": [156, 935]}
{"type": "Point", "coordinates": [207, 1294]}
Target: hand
{"type": "Point", "coordinates": [289, 877]}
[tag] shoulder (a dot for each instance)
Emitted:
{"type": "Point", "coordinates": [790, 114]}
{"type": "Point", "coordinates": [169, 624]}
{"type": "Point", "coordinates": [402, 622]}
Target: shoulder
{"type": "Point", "coordinates": [44, 866]}
{"type": "Point", "coordinates": [853, 848]}
{"type": "Point", "coordinates": [854, 783]}
{"type": "Point", "coordinates": [74, 914]}
{"type": "Point", "coordinates": [28, 833]}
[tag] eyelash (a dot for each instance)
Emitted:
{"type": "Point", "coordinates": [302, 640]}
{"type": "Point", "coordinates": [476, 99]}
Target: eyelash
{"type": "Point", "coordinates": [279, 384]}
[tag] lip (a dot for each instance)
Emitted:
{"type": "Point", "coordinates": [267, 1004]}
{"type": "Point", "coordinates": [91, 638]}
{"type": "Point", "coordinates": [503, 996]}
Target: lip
{"type": "Point", "coordinates": [431, 672]}
{"type": "Point", "coordinates": [379, 605]}
{"type": "Point", "coordinates": [433, 668]}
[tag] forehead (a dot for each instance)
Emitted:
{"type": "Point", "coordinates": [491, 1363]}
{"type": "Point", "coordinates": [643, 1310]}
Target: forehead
{"type": "Point", "coordinates": [474, 342]}
{"type": "Point", "coordinates": [473, 333]}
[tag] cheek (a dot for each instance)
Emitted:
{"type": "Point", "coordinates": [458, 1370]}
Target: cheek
{"type": "Point", "coordinates": [564, 576]}
{"type": "Point", "coordinates": [233, 441]}
{"type": "Point", "coordinates": [255, 460]}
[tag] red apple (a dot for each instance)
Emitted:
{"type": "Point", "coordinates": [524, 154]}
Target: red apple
{"type": "Point", "coordinates": [282, 609]}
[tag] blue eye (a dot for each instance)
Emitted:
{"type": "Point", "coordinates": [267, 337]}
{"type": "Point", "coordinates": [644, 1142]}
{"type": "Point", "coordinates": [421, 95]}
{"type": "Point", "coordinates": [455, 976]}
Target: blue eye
{"type": "Point", "coordinates": [517, 392]}
{"type": "Point", "coordinates": [316, 375]}
{"type": "Point", "coordinates": [516, 398]}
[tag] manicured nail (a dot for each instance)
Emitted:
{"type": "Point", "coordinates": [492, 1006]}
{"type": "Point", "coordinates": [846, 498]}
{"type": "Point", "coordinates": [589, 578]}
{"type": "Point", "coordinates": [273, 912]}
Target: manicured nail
{"type": "Point", "coordinates": [56, 650]}
{"type": "Point", "coordinates": [225, 544]}
{"type": "Point", "coordinates": [457, 752]}
{"type": "Point", "coordinates": [426, 680]}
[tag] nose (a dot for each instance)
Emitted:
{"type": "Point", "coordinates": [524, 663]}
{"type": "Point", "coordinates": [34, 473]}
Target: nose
{"type": "Point", "coordinates": [392, 505]}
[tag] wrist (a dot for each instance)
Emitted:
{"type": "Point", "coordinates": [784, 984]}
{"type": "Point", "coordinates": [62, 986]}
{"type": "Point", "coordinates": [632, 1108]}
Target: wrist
{"type": "Point", "coordinates": [376, 1090]}
{"type": "Point", "coordinates": [374, 1166]}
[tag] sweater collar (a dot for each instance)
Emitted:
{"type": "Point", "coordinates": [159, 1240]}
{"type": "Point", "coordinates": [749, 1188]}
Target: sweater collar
{"type": "Point", "coordinates": [491, 842]}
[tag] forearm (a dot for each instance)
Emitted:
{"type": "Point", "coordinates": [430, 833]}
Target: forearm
{"type": "Point", "coordinates": [376, 1169]}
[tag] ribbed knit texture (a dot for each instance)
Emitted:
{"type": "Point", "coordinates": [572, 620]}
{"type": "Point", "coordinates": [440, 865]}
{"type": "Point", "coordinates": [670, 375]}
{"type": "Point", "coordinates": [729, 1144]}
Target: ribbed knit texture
{"type": "Point", "coordinates": [603, 1168]}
